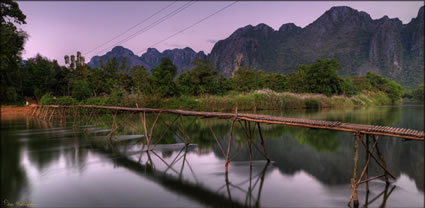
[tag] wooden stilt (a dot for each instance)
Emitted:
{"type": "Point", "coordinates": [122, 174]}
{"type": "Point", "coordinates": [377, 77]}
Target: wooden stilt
{"type": "Point", "coordinates": [148, 134]}
{"type": "Point", "coordinates": [143, 120]}
{"type": "Point", "coordinates": [379, 163]}
{"type": "Point", "coordinates": [184, 160]}
{"type": "Point", "coordinates": [354, 197]}
{"type": "Point", "coordinates": [262, 142]}
{"type": "Point", "coordinates": [218, 143]}
{"type": "Point", "coordinates": [263, 174]}
{"type": "Point", "coordinates": [248, 197]}
{"type": "Point", "coordinates": [367, 168]}
{"type": "Point", "coordinates": [381, 157]}
{"type": "Point", "coordinates": [184, 131]}
{"type": "Point", "coordinates": [229, 144]}
{"type": "Point", "coordinates": [228, 185]}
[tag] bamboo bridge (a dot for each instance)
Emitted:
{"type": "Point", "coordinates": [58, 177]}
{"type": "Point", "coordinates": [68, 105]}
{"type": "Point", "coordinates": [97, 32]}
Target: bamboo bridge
{"type": "Point", "coordinates": [361, 132]}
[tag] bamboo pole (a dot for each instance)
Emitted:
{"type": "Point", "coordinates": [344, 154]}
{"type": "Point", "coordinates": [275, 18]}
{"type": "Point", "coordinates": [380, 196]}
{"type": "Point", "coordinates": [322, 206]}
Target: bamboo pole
{"type": "Point", "coordinates": [377, 162]}
{"type": "Point", "coordinates": [218, 143]}
{"type": "Point", "coordinates": [263, 174]}
{"type": "Point", "coordinates": [184, 160]}
{"type": "Point", "coordinates": [262, 142]}
{"type": "Point", "coordinates": [367, 168]}
{"type": "Point", "coordinates": [228, 185]}
{"type": "Point", "coordinates": [229, 145]}
{"type": "Point", "coordinates": [354, 196]}
{"type": "Point", "coordinates": [383, 161]}
{"type": "Point", "coordinates": [184, 131]}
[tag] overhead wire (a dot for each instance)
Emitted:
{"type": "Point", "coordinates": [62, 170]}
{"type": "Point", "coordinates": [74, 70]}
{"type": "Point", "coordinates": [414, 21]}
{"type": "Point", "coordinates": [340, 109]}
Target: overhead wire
{"type": "Point", "coordinates": [154, 24]}
{"type": "Point", "coordinates": [132, 27]}
{"type": "Point", "coordinates": [190, 26]}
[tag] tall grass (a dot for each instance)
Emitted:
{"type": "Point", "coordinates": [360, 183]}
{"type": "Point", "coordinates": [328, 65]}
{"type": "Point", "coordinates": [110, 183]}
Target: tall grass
{"type": "Point", "coordinates": [244, 102]}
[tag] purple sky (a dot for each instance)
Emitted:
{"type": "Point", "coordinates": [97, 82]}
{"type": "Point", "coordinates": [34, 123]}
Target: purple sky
{"type": "Point", "coordinates": [60, 28]}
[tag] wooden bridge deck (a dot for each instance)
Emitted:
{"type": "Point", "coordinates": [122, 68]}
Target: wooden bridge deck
{"type": "Point", "coordinates": [408, 134]}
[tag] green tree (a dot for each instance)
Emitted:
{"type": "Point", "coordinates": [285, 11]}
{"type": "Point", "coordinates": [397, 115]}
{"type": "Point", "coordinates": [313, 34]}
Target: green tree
{"type": "Point", "coordinates": [40, 76]}
{"type": "Point", "coordinates": [319, 77]}
{"type": "Point", "coordinates": [80, 89]}
{"type": "Point", "coordinates": [350, 88]}
{"type": "Point", "coordinates": [418, 93]}
{"type": "Point", "coordinates": [162, 78]}
{"type": "Point", "coordinates": [246, 79]}
{"type": "Point", "coordinates": [141, 79]}
{"type": "Point", "coordinates": [123, 66]}
{"type": "Point", "coordinates": [393, 89]}
{"type": "Point", "coordinates": [203, 78]}
{"type": "Point", "coordinates": [111, 67]}
{"type": "Point", "coordinates": [297, 81]}
{"type": "Point", "coordinates": [322, 77]}
{"type": "Point", "coordinates": [12, 42]}
{"type": "Point", "coordinates": [276, 81]}
{"type": "Point", "coordinates": [98, 83]}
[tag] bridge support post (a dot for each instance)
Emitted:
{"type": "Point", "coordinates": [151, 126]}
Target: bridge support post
{"type": "Point", "coordinates": [367, 168]}
{"type": "Point", "coordinates": [229, 145]}
{"type": "Point", "coordinates": [262, 142]}
{"type": "Point", "coordinates": [381, 157]}
{"type": "Point", "coordinates": [354, 196]}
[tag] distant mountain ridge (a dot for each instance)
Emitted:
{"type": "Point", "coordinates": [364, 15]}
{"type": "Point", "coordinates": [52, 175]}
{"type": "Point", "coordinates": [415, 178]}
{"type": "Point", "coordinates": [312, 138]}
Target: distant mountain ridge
{"type": "Point", "coordinates": [385, 46]}
{"type": "Point", "coordinates": [182, 58]}
{"type": "Point", "coordinates": [359, 43]}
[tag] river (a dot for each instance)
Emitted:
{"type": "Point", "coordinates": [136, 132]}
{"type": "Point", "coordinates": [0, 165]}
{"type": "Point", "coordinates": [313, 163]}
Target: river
{"type": "Point", "coordinates": [51, 165]}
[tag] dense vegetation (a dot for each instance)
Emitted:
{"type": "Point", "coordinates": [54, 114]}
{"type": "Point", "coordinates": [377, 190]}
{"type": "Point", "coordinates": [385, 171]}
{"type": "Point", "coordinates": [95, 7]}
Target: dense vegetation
{"type": "Point", "coordinates": [202, 87]}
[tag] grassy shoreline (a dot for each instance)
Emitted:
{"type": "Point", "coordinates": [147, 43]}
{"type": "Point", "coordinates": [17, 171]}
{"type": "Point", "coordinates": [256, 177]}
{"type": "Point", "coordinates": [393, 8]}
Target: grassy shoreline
{"type": "Point", "coordinates": [258, 100]}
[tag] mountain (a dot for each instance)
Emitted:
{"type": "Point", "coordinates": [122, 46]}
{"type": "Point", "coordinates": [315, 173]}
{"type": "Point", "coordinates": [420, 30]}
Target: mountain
{"type": "Point", "coordinates": [119, 52]}
{"type": "Point", "coordinates": [182, 58]}
{"type": "Point", "coordinates": [385, 46]}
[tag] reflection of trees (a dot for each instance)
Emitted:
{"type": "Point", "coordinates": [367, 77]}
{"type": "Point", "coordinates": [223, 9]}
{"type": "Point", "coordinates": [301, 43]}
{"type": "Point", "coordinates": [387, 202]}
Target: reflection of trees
{"type": "Point", "coordinates": [384, 116]}
{"type": "Point", "coordinates": [14, 181]}
{"type": "Point", "coordinates": [336, 167]}
{"type": "Point", "coordinates": [321, 140]}
{"type": "Point", "coordinates": [253, 182]}
{"type": "Point", "coordinates": [44, 145]}
{"type": "Point", "coordinates": [47, 147]}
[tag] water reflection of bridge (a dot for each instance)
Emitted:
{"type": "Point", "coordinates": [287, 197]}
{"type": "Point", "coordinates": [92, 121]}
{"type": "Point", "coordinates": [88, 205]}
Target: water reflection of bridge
{"type": "Point", "coordinates": [361, 133]}
{"type": "Point", "coordinates": [179, 184]}
{"type": "Point", "coordinates": [171, 177]}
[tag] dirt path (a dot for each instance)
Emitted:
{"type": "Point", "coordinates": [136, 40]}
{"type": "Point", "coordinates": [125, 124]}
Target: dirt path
{"type": "Point", "coordinates": [9, 112]}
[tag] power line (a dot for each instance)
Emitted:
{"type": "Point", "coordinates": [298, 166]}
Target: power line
{"type": "Point", "coordinates": [146, 19]}
{"type": "Point", "coordinates": [190, 26]}
{"type": "Point", "coordinates": [149, 27]}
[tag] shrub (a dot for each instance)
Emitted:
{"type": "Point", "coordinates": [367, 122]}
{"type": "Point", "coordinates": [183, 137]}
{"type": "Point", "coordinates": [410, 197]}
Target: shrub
{"type": "Point", "coordinates": [47, 99]}
{"type": "Point", "coordinates": [182, 102]}
{"type": "Point", "coordinates": [312, 104]}
{"type": "Point", "coordinates": [94, 101]}
{"type": "Point", "coordinates": [80, 89]}
{"type": "Point", "coordinates": [66, 100]}
{"type": "Point", "coordinates": [11, 94]}
{"type": "Point", "coordinates": [114, 99]}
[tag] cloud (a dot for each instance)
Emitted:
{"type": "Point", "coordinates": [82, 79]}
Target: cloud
{"type": "Point", "coordinates": [211, 41]}
{"type": "Point", "coordinates": [174, 45]}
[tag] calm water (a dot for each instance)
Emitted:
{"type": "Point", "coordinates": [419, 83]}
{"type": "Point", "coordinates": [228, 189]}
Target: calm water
{"type": "Point", "coordinates": [53, 166]}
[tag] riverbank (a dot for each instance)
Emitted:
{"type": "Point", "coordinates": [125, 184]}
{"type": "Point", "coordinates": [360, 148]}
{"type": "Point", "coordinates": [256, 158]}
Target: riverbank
{"type": "Point", "coordinates": [269, 100]}
{"type": "Point", "coordinates": [12, 112]}
{"type": "Point", "coordinates": [257, 100]}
